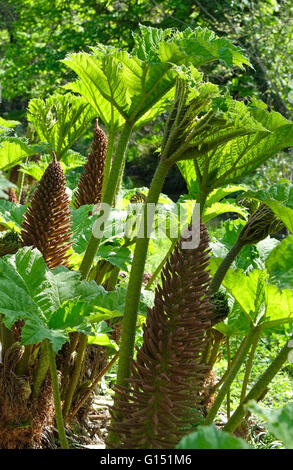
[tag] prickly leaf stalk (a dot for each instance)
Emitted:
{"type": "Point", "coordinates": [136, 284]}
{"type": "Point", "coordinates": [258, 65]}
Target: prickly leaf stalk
{"type": "Point", "coordinates": [167, 376]}
{"type": "Point", "coordinates": [90, 185]}
{"type": "Point", "coordinates": [47, 221]}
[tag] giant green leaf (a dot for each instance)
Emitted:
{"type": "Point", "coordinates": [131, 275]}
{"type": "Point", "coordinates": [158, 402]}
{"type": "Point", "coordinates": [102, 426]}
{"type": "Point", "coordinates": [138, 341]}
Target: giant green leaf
{"type": "Point", "coordinates": [216, 166]}
{"type": "Point", "coordinates": [134, 87]}
{"type": "Point", "coordinates": [219, 193]}
{"type": "Point", "coordinates": [11, 215]}
{"type": "Point", "coordinates": [60, 120]}
{"type": "Point", "coordinates": [210, 437]}
{"type": "Point", "coordinates": [262, 303]}
{"type": "Point", "coordinates": [7, 124]}
{"type": "Point", "coordinates": [53, 303]}
{"type": "Point", "coordinates": [279, 306]}
{"type": "Point", "coordinates": [120, 86]}
{"type": "Point", "coordinates": [219, 208]}
{"type": "Point", "coordinates": [13, 150]}
{"type": "Point", "coordinates": [280, 263]}
{"type": "Point", "coordinates": [197, 46]}
{"type": "Point", "coordinates": [29, 291]}
{"type": "Point", "coordinates": [245, 290]}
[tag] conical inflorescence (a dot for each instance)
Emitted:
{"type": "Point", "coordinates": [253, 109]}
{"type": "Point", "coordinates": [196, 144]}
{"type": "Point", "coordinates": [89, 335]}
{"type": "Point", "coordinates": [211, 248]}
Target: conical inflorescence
{"type": "Point", "coordinates": [47, 221]}
{"type": "Point", "coordinates": [168, 375]}
{"type": "Point", "coordinates": [90, 185]}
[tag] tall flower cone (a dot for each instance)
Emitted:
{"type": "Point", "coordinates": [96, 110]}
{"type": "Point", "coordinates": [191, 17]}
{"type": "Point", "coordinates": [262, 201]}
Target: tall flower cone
{"type": "Point", "coordinates": [90, 185]}
{"type": "Point", "coordinates": [167, 376]}
{"type": "Point", "coordinates": [47, 222]}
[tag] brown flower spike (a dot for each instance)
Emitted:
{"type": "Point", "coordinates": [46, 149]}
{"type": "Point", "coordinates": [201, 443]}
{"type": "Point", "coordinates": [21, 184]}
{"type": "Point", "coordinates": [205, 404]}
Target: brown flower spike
{"type": "Point", "coordinates": [90, 185]}
{"type": "Point", "coordinates": [167, 376]}
{"type": "Point", "coordinates": [47, 222]}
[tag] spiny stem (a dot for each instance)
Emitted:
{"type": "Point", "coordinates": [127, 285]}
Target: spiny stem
{"type": "Point", "coordinates": [23, 364]}
{"type": "Point", "coordinates": [201, 200]}
{"type": "Point", "coordinates": [93, 385]}
{"type": "Point", "coordinates": [225, 265]}
{"type": "Point", "coordinates": [135, 279]}
{"type": "Point", "coordinates": [249, 366]}
{"type": "Point", "coordinates": [20, 182]}
{"type": "Point", "coordinates": [214, 352]}
{"type": "Point", "coordinates": [108, 197]}
{"type": "Point", "coordinates": [74, 338]}
{"type": "Point", "coordinates": [109, 189]}
{"type": "Point", "coordinates": [6, 337]}
{"type": "Point", "coordinates": [76, 374]}
{"type": "Point", "coordinates": [259, 388]}
{"type": "Point", "coordinates": [113, 278]}
{"type": "Point", "coordinates": [160, 266]}
{"type": "Point", "coordinates": [244, 348]}
{"type": "Point", "coordinates": [229, 368]}
{"type": "Point", "coordinates": [222, 380]}
{"type": "Point", "coordinates": [57, 400]}
{"type": "Point", "coordinates": [41, 370]}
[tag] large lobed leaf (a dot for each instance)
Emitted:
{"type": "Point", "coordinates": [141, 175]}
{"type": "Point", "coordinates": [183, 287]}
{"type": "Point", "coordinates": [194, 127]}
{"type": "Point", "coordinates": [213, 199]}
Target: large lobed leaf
{"type": "Point", "coordinates": [136, 86]}
{"type": "Point", "coordinates": [215, 166]}
{"type": "Point", "coordinates": [210, 437]}
{"type": "Point", "coordinates": [280, 263]}
{"type": "Point", "coordinates": [261, 302]}
{"type": "Point", "coordinates": [53, 303]}
{"type": "Point", "coordinates": [15, 149]}
{"type": "Point", "coordinates": [60, 120]}
{"type": "Point", "coordinates": [6, 125]}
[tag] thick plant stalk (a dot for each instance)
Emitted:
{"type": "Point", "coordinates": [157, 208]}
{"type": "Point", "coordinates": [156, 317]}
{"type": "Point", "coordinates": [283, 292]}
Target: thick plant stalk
{"type": "Point", "coordinates": [135, 279]}
{"type": "Point", "coordinates": [261, 223]}
{"type": "Point", "coordinates": [229, 367]}
{"type": "Point", "coordinates": [235, 366]}
{"type": "Point", "coordinates": [258, 389]}
{"type": "Point", "coordinates": [56, 393]}
{"type": "Point", "coordinates": [93, 385]}
{"type": "Point", "coordinates": [167, 376]}
{"type": "Point", "coordinates": [225, 265]}
{"type": "Point", "coordinates": [76, 374]}
{"type": "Point", "coordinates": [90, 185]}
{"type": "Point", "coordinates": [108, 197]}
{"type": "Point", "coordinates": [41, 371]}
{"type": "Point", "coordinates": [249, 365]}
{"type": "Point", "coordinates": [47, 222]}
{"type": "Point", "coordinates": [6, 338]}
{"type": "Point", "coordinates": [160, 266]}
